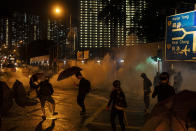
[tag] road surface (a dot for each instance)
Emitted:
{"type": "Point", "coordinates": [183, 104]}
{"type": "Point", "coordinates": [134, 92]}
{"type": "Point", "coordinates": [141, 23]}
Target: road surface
{"type": "Point", "coordinates": [69, 119]}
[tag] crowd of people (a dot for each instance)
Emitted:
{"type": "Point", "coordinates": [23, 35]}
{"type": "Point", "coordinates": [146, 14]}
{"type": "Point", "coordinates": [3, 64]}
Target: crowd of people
{"type": "Point", "coordinates": [117, 102]}
{"type": "Point", "coordinates": [162, 87]}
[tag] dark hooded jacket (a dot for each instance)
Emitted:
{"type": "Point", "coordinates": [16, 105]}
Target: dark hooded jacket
{"type": "Point", "coordinates": [45, 88]}
{"type": "Point", "coordinates": [116, 96]}
{"type": "Point", "coordinates": [163, 91]}
{"type": "Point", "coordinates": [84, 86]}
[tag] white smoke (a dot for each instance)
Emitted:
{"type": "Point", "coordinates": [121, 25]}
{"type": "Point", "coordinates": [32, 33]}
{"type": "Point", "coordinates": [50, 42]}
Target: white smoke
{"type": "Point", "coordinates": [135, 61]}
{"type": "Point", "coordinates": [188, 73]}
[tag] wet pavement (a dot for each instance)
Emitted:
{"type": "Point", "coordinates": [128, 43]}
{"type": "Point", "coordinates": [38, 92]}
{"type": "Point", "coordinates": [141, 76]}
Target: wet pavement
{"type": "Point", "coordinates": [69, 119]}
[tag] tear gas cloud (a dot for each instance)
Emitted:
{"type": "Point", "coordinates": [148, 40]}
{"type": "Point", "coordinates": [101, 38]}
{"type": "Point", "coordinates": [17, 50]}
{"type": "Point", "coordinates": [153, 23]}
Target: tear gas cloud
{"type": "Point", "coordinates": [11, 77]}
{"type": "Point", "coordinates": [136, 61]}
{"type": "Point", "coordinates": [22, 75]}
{"type": "Point", "coordinates": [188, 73]}
{"type": "Point", "coordinates": [128, 71]}
{"type": "Point", "coordinates": [127, 66]}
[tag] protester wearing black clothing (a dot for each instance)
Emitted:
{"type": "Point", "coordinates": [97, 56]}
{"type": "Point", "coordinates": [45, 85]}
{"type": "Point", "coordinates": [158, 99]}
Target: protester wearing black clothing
{"type": "Point", "coordinates": [32, 81]}
{"type": "Point", "coordinates": [34, 84]}
{"type": "Point", "coordinates": [118, 101]}
{"type": "Point", "coordinates": [45, 94]}
{"type": "Point", "coordinates": [84, 89]}
{"type": "Point", "coordinates": [164, 90]}
{"type": "Point", "coordinates": [147, 90]}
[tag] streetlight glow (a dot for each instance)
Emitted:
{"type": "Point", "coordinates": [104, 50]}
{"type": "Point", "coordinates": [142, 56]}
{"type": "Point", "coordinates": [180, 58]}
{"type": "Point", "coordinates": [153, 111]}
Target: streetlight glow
{"type": "Point", "coordinates": [57, 10]}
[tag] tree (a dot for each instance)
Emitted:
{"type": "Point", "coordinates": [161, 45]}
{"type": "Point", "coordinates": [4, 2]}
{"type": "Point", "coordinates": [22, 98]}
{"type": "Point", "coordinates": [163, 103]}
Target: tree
{"type": "Point", "coordinates": [113, 14]}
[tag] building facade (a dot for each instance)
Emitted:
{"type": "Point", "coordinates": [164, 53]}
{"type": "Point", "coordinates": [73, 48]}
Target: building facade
{"type": "Point", "coordinates": [4, 31]}
{"type": "Point", "coordinates": [135, 12]}
{"type": "Point", "coordinates": [18, 29]}
{"type": "Point", "coordinates": [56, 31]}
{"type": "Point", "coordinates": [93, 34]}
{"type": "Point", "coordinates": [96, 34]}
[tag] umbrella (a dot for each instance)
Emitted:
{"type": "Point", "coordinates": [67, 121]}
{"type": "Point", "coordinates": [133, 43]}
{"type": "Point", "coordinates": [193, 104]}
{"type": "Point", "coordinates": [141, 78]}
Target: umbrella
{"type": "Point", "coordinates": [36, 76]}
{"type": "Point", "coordinates": [171, 114]}
{"type": "Point", "coordinates": [6, 98]}
{"type": "Point", "coordinates": [20, 95]}
{"type": "Point", "coordinates": [39, 74]}
{"type": "Point", "coordinates": [69, 72]}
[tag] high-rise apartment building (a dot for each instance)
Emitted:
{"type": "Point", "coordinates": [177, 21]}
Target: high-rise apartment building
{"type": "Point", "coordinates": [137, 11]}
{"type": "Point", "coordinates": [4, 31]}
{"type": "Point", "coordinates": [56, 31]}
{"type": "Point", "coordinates": [19, 28]}
{"type": "Point", "coordinates": [93, 34]}
{"type": "Point", "coordinates": [96, 34]}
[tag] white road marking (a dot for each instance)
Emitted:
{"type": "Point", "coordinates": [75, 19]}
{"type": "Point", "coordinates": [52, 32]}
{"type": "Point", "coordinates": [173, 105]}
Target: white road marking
{"type": "Point", "coordinates": [99, 110]}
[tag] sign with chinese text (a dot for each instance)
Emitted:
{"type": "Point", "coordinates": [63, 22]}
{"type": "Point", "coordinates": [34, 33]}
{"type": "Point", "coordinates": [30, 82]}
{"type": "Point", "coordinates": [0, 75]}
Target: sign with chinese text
{"type": "Point", "coordinates": [181, 37]}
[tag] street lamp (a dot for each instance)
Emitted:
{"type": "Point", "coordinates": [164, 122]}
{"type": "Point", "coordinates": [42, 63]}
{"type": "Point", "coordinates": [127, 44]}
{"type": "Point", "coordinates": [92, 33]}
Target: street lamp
{"type": "Point", "coordinates": [57, 11]}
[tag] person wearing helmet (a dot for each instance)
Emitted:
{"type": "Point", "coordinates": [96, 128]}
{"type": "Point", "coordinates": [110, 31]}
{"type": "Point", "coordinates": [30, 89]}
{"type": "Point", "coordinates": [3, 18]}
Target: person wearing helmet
{"type": "Point", "coordinates": [118, 101]}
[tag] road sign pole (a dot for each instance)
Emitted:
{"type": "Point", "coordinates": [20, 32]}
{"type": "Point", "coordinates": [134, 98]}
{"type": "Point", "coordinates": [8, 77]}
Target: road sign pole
{"type": "Point", "coordinates": [159, 66]}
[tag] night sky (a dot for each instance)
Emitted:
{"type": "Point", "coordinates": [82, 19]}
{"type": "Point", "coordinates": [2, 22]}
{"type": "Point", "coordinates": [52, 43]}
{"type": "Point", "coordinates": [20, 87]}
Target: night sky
{"type": "Point", "coordinates": [42, 7]}
{"type": "Point", "coordinates": [39, 7]}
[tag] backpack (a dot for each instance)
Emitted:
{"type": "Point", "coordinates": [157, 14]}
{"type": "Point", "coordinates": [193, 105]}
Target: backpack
{"type": "Point", "coordinates": [121, 103]}
{"type": "Point", "coordinates": [149, 84]}
{"type": "Point", "coordinates": [45, 89]}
